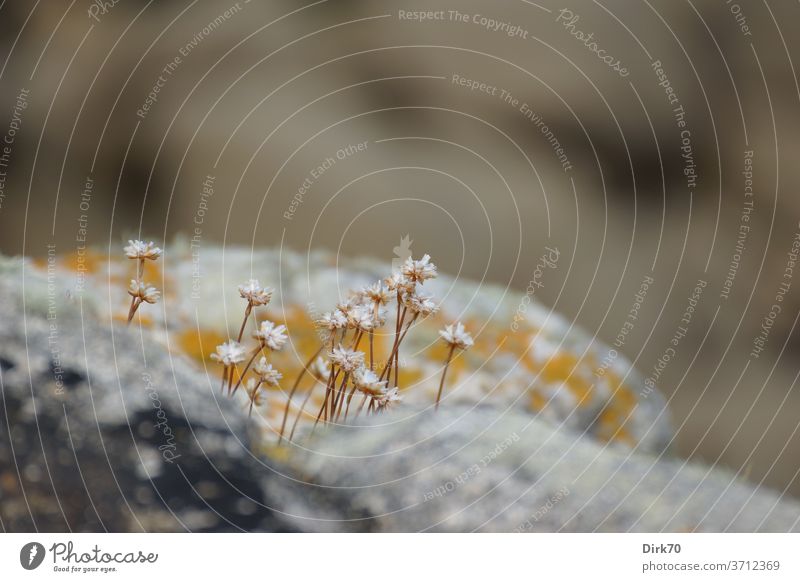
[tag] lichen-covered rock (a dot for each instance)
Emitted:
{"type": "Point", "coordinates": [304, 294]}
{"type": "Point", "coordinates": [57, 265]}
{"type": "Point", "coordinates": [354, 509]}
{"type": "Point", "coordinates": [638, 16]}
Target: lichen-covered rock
{"type": "Point", "coordinates": [104, 429]}
{"type": "Point", "coordinates": [526, 357]}
{"type": "Point", "coordinates": [477, 469]}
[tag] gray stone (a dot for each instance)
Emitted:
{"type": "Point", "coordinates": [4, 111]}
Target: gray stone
{"type": "Point", "coordinates": [103, 429]}
{"type": "Point", "coordinates": [479, 469]}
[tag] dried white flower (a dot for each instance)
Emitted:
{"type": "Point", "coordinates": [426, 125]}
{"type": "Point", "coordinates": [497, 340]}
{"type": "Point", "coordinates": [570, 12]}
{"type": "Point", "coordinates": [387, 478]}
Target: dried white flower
{"type": "Point", "coordinates": [321, 369]}
{"type": "Point", "coordinates": [347, 360]}
{"type": "Point", "coordinates": [252, 387]}
{"type": "Point", "coordinates": [333, 321]}
{"type": "Point", "coordinates": [368, 382]}
{"type": "Point", "coordinates": [254, 293]}
{"type": "Point", "coordinates": [389, 398]}
{"type": "Point", "coordinates": [456, 336]}
{"type": "Point", "coordinates": [269, 375]}
{"type": "Point", "coordinates": [377, 293]}
{"type": "Point", "coordinates": [360, 317]}
{"type": "Point", "coordinates": [143, 291]}
{"type": "Point", "coordinates": [420, 303]}
{"type": "Point", "coordinates": [272, 336]}
{"type": "Point", "coordinates": [397, 282]}
{"type": "Point", "coordinates": [230, 353]}
{"type": "Point", "coordinates": [419, 271]}
{"type": "Point", "coordinates": [138, 249]}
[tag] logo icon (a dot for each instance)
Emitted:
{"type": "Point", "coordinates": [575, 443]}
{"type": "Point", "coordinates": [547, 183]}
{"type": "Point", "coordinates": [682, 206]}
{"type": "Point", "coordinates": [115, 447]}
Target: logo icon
{"type": "Point", "coordinates": [402, 252]}
{"type": "Point", "coordinates": [31, 555]}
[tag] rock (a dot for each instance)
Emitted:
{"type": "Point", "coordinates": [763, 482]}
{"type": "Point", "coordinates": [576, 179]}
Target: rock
{"type": "Point", "coordinates": [108, 430]}
{"type": "Point", "coordinates": [480, 469]}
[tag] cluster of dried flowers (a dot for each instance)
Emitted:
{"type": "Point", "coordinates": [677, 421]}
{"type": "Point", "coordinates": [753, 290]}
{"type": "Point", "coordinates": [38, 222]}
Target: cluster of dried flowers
{"type": "Point", "coordinates": [270, 338]}
{"type": "Point", "coordinates": [345, 370]}
{"type": "Point", "coordinates": [141, 292]}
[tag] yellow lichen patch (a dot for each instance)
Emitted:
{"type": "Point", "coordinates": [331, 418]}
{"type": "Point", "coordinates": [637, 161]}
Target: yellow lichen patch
{"type": "Point", "coordinates": [559, 367]}
{"type": "Point", "coordinates": [537, 401]}
{"type": "Point", "coordinates": [581, 388]}
{"type": "Point", "coordinates": [199, 345]}
{"type": "Point", "coordinates": [89, 261]}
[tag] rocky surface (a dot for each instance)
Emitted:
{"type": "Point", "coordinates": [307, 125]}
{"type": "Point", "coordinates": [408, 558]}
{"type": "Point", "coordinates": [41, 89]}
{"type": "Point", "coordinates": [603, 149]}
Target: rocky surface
{"type": "Point", "coordinates": [103, 429]}
{"type": "Point", "coordinates": [478, 469]}
{"type": "Point", "coordinates": [108, 428]}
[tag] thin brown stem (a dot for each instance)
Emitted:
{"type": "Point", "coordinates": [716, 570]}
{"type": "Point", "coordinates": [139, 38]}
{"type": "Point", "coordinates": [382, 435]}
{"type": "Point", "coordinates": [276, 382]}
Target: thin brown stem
{"type": "Point", "coordinates": [253, 399]}
{"type": "Point", "coordinates": [302, 408]}
{"type": "Point", "coordinates": [247, 312]}
{"type": "Point", "coordinates": [246, 368]}
{"type": "Point", "coordinates": [294, 389]}
{"type": "Point", "coordinates": [135, 302]}
{"type": "Point", "coordinates": [444, 373]}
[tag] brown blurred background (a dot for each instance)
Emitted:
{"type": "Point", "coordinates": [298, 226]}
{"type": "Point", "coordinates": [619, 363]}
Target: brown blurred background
{"type": "Point", "coordinates": [264, 92]}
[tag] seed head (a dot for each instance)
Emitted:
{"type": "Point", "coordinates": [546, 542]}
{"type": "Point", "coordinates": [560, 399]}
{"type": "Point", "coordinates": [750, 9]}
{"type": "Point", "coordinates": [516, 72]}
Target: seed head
{"type": "Point", "coordinates": [377, 293]}
{"type": "Point", "coordinates": [419, 271]}
{"type": "Point", "coordinates": [368, 382]}
{"type": "Point", "coordinates": [268, 375]}
{"type": "Point", "coordinates": [230, 353]}
{"type": "Point", "coordinates": [138, 249]}
{"type": "Point", "coordinates": [360, 317]}
{"type": "Point", "coordinates": [347, 360]}
{"type": "Point", "coordinates": [254, 293]}
{"type": "Point", "coordinates": [333, 320]}
{"type": "Point", "coordinates": [389, 398]}
{"type": "Point", "coordinates": [321, 369]}
{"type": "Point", "coordinates": [272, 336]}
{"type": "Point", "coordinates": [420, 303]}
{"type": "Point", "coordinates": [455, 335]}
{"type": "Point", "coordinates": [143, 291]}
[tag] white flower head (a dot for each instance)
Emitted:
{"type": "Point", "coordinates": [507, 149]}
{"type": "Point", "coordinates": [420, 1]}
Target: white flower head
{"type": "Point", "coordinates": [333, 320]}
{"type": "Point", "coordinates": [230, 353]}
{"type": "Point", "coordinates": [389, 398]}
{"type": "Point", "coordinates": [368, 382]}
{"type": "Point", "coordinates": [377, 293]}
{"type": "Point", "coordinates": [420, 303]}
{"type": "Point", "coordinates": [360, 317]}
{"type": "Point", "coordinates": [347, 360]}
{"type": "Point", "coordinates": [254, 293]}
{"type": "Point", "coordinates": [143, 291]}
{"type": "Point", "coordinates": [138, 249]}
{"type": "Point", "coordinates": [252, 387]}
{"type": "Point", "coordinates": [419, 271]}
{"type": "Point", "coordinates": [272, 336]}
{"type": "Point", "coordinates": [321, 369]}
{"type": "Point", "coordinates": [348, 304]}
{"type": "Point", "coordinates": [397, 282]}
{"type": "Point", "coordinates": [268, 375]}
{"type": "Point", "coordinates": [457, 336]}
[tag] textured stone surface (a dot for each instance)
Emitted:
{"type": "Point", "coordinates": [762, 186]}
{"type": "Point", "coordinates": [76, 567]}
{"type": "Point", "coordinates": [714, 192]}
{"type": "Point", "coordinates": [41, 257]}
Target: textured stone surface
{"type": "Point", "coordinates": [475, 469]}
{"type": "Point", "coordinates": [108, 431]}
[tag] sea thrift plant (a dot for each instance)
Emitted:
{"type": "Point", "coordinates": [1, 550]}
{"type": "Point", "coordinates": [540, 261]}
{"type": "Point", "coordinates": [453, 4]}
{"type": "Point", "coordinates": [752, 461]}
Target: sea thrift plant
{"type": "Point", "coordinates": [346, 362]}
{"type": "Point", "coordinates": [141, 292]}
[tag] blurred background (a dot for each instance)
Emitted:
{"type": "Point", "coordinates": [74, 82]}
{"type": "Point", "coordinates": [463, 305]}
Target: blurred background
{"type": "Point", "coordinates": [482, 135]}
